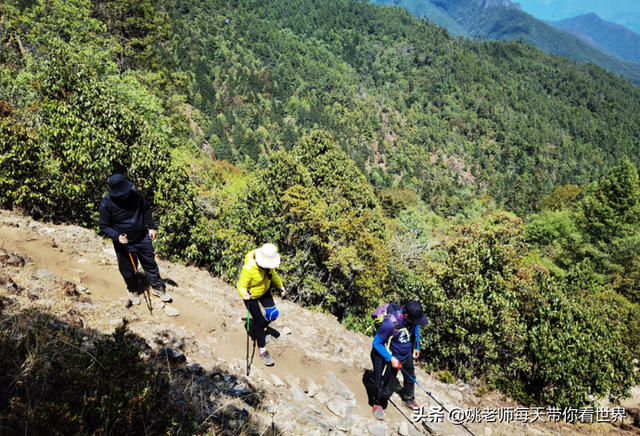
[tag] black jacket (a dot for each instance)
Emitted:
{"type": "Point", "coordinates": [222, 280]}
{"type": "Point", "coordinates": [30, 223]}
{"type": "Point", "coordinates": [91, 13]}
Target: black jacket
{"type": "Point", "coordinates": [131, 217]}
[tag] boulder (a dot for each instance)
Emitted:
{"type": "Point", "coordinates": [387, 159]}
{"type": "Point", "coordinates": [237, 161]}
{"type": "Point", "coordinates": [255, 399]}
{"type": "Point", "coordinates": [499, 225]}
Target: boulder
{"type": "Point", "coordinates": [312, 388]}
{"type": "Point", "coordinates": [340, 406]}
{"type": "Point", "coordinates": [335, 386]}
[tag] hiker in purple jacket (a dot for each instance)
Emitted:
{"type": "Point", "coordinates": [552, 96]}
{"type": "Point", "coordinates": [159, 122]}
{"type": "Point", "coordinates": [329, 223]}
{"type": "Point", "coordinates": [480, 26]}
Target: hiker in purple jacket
{"type": "Point", "coordinates": [392, 351]}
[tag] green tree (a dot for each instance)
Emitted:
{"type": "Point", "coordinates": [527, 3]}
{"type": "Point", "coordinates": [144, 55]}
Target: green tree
{"type": "Point", "coordinates": [137, 27]}
{"type": "Point", "coordinates": [494, 316]}
{"type": "Point", "coordinates": [563, 196]}
{"type": "Point", "coordinates": [609, 218]}
{"type": "Point", "coordinates": [318, 208]}
{"type": "Point", "coordinates": [80, 135]}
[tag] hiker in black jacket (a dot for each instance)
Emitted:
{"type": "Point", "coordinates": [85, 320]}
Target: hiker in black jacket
{"type": "Point", "coordinates": [126, 218]}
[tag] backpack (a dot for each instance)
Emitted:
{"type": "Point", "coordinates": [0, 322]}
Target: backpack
{"type": "Point", "coordinates": [386, 311]}
{"type": "Point", "coordinates": [383, 312]}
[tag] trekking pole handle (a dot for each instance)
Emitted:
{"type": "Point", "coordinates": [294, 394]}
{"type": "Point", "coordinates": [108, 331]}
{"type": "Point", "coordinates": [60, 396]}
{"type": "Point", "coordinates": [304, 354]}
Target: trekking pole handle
{"type": "Point", "coordinates": [398, 363]}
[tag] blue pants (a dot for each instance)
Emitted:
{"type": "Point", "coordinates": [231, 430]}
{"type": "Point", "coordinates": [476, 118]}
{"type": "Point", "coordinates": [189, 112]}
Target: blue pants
{"type": "Point", "coordinates": [129, 254]}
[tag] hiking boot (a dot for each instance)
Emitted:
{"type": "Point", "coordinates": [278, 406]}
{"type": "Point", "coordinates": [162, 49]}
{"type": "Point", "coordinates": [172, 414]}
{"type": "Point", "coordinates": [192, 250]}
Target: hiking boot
{"type": "Point", "coordinates": [134, 298]}
{"type": "Point", "coordinates": [266, 358]}
{"type": "Point", "coordinates": [378, 412]}
{"type": "Point", "coordinates": [411, 404]}
{"type": "Point", "coordinates": [160, 293]}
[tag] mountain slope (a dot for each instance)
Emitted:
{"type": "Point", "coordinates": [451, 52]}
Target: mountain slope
{"type": "Point", "coordinates": [398, 94]}
{"type": "Point", "coordinates": [449, 119]}
{"type": "Point", "coordinates": [426, 9]}
{"type": "Point", "coordinates": [504, 20]}
{"type": "Point", "coordinates": [586, 38]}
{"type": "Point", "coordinates": [630, 20]}
{"type": "Point", "coordinates": [314, 349]}
{"type": "Point", "coordinates": [616, 38]}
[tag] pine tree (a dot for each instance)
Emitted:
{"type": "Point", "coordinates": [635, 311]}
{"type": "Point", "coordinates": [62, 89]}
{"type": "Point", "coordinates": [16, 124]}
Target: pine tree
{"type": "Point", "coordinates": [610, 218]}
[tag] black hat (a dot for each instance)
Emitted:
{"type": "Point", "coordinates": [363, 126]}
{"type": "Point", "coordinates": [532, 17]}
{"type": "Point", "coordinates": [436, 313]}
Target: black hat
{"type": "Point", "coordinates": [414, 310]}
{"type": "Point", "coordinates": [119, 186]}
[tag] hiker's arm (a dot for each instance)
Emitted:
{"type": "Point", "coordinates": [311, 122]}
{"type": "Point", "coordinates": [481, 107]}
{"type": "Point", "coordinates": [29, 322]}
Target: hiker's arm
{"type": "Point", "coordinates": [146, 213]}
{"type": "Point", "coordinates": [378, 344]}
{"type": "Point", "coordinates": [104, 223]}
{"type": "Point", "coordinates": [276, 280]}
{"type": "Point", "coordinates": [416, 352]}
{"type": "Point", "coordinates": [243, 284]}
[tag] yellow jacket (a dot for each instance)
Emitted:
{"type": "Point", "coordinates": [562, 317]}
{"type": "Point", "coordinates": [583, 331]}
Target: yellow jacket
{"type": "Point", "coordinates": [256, 279]}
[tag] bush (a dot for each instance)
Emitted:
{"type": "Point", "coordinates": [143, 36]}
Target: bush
{"type": "Point", "coordinates": [494, 316]}
{"type": "Point", "coordinates": [316, 206]}
{"type": "Point", "coordinates": [446, 377]}
{"type": "Point", "coordinates": [55, 382]}
{"type": "Point", "coordinates": [56, 159]}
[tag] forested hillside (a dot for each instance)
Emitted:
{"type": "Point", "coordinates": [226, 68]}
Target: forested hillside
{"type": "Point", "coordinates": [496, 21]}
{"type": "Point", "coordinates": [429, 11]}
{"type": "Point", "coordinates": [616, 38]}
{"type": "Point", "coordinates": [373, 148]}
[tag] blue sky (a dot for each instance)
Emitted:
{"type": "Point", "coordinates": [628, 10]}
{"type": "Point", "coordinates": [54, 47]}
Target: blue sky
{"type": "Point", "coordinates": [561, 9]}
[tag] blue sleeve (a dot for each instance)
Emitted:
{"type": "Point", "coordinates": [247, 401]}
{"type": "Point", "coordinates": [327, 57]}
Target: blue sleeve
{"type": "Point", "coordinates": [378, 344]}
{"type": "Point", "coordinates": [417, 335]}
{"type": "Point", "coordinates": [384, 331]}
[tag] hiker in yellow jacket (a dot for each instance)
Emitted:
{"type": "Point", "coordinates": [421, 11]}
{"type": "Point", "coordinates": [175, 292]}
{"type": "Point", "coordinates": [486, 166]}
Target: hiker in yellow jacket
{"type": "Point", "coordinates": [256, 279]}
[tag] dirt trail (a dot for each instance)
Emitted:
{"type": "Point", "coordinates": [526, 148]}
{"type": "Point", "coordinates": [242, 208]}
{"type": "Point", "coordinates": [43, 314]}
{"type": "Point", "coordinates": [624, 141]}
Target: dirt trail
{"type": "Point", "coordinates": [105, 282]}
{"type": "Point", "coordinates": [210, 317]}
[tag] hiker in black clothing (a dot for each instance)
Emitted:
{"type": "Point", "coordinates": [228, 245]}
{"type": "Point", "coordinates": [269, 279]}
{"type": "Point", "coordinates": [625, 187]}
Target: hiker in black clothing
{"type": "Point", "coordinates": [126, 218]}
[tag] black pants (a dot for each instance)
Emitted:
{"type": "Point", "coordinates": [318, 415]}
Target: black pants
{"type": "Point", "coordinates": [260, 322]}
{"type": "Point", "coordinates": [140, 251]}
{"type": "Point", "coordinates": [384, 376]}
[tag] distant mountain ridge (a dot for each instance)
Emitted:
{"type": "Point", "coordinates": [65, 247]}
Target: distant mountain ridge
{"type": "Point", "coordinates": [586, 38]}
{"type": "Point", "coordinates": [630, 20]}
{"type": "Point", "coordinates": [616, 38]}
{"type": "Point", "coordinates": [504, 19]}
{"type": "Point", "coordinates": [506, 3]}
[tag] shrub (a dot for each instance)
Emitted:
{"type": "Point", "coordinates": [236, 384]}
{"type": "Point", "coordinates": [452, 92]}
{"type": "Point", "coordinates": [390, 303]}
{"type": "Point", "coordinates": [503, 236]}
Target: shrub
{"type": "Point", "coordinates": [494, 316]}
{"type": "Point", "coordinates": [316, 206]}
{"type": "Point", "coordinates": [446, 377]}
{"type": "Point", "coordinates": [55, 382]}
{"type": "Point", "coordinates": [56, 159]}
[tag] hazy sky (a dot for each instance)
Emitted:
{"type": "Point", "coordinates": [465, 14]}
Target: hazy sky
{"type": "Point", "coordinates": [561, 9]}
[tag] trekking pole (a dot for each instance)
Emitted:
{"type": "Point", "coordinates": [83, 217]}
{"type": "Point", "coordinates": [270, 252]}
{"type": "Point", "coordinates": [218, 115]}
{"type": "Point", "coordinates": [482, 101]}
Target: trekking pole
{"type": "Point", "coordinates": [135, 269]}
{"type": "Point", "coordinates": [434, 398]}
{"type": "Point", "coordinates": [248, 364]}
